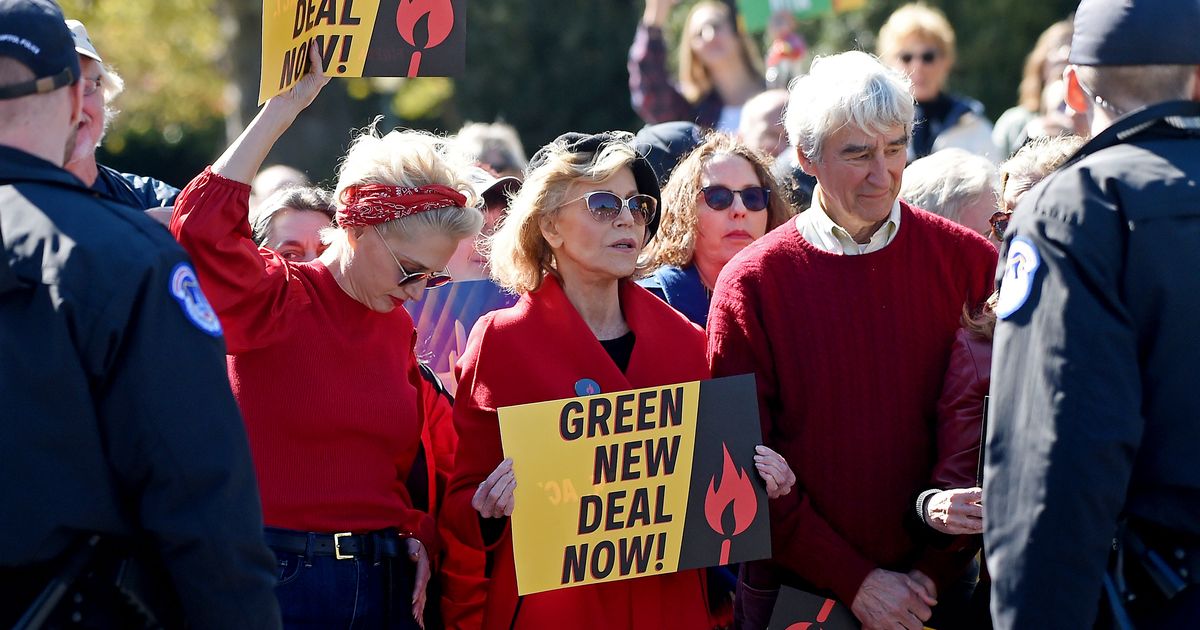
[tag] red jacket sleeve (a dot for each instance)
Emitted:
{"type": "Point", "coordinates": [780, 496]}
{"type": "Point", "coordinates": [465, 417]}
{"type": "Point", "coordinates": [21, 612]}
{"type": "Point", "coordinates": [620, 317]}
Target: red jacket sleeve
{"type": "Point", "coordinates": [960, 412]}
{"type": "Point", "coordinates": [803, 541]}
{"type": "Point", "coordinates": [653, 96]}
{"type": "Point", "coordinates": [250, 288]}
{"type": "Point", "coordinates": [440, 440]}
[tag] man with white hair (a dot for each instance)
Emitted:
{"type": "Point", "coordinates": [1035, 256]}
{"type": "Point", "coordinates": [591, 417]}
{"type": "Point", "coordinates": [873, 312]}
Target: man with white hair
{"type": "Point", "coordinates": [955, 184]}
{"type": "Point", "coordinates": [846, 316]}
{"type": "Point", "coordinates": [101, 84]}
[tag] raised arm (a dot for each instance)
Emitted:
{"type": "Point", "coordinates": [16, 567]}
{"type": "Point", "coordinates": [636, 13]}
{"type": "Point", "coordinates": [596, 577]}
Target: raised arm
{"type": "Point", "coordinates": [247, 286]}
{"type": "Point", "coordinates": [651, 92]}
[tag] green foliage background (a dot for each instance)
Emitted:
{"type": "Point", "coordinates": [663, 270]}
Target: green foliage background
{"type": "Point", "coordinates": [545, 66]}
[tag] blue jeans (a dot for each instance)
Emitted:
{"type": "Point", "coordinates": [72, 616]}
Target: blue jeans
{"type": "Point", "coordinates": [324, 592]}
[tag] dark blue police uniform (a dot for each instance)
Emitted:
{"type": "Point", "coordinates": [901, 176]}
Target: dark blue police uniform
{"type": "Point", "coordinates": [116, 416]}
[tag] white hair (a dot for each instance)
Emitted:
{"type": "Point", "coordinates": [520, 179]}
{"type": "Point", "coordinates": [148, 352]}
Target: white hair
{"type": "Point", "coordinates": [849, 88]}
{"type": "Point", "coordinates": [411, 159]}
{"type": "Point", "coordinates": [947, 181]}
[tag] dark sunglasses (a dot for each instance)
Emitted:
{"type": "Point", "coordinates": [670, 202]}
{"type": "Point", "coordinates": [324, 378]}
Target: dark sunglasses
{"type": "Point", "coordinates": [606, 206]}
{"type": "Point", "coordinates": [432, 279]}
{"type": "Point", "coordinates": [999, 223]}
{"type": "Point", "coordinates": [927, 57]}
{"type": "Point", "coordinates": [721, 197]}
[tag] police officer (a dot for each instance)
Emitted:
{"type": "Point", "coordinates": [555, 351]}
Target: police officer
{"type": "Point", "coordinates": [1092, 449]}
{"type": "Point", "coordinates": [120, 443]}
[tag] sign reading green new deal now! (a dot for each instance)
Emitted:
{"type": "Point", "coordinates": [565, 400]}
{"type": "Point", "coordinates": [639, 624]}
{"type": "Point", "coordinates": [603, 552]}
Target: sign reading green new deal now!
{"type": "Point", "coordinates": [634, 483]}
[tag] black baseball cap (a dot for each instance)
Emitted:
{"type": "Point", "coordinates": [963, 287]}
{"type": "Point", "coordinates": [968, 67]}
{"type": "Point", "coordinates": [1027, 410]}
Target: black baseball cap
{"type": "Point", "coordinates": [1136, 33]}
{"type": "Point", "coordinates": [665, 144]}
{"type": "Point", "coordinates": [35, 33]}
{"type": "Point", "coordinates": [582, 143]}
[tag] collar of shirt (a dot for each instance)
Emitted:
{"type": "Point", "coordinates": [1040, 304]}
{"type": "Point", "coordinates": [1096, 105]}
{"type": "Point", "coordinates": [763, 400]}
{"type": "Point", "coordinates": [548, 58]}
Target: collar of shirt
{"type": "Point", "coordinates": [818, 229]}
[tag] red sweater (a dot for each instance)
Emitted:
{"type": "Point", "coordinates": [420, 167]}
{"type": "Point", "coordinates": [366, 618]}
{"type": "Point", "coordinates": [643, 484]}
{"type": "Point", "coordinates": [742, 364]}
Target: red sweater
{"type": "Point", "coordinates": [327, 387]}
{"type": "Point", "coordinates": [535, 351]}
{"type": "Point", "coordinates": [849, 354]}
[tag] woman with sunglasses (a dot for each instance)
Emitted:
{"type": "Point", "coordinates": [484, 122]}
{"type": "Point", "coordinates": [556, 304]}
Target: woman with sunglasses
{"type": "Point", "coordinates": [918, 41]}
{"type": "Point", "coordinates": [321, 361]}
{"type": "Point", "coordinates": [569, 246]}
{"type": "Point", "coordinates": [719, 200]}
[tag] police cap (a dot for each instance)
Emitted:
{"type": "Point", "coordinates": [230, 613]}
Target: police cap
{"type": "Point", "coordinates": [1136, 33]}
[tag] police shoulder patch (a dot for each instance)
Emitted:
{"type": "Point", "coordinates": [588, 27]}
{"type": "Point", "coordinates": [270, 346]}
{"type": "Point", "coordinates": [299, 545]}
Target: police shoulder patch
{"type": "Point", "coordinates": [185, 288]}
{"type": "Point", "coordinates": [1019, 269]}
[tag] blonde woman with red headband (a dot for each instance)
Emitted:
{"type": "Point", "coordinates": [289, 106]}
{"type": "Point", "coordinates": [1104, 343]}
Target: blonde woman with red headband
{"type": "Point", "coordinates": [321, 361]}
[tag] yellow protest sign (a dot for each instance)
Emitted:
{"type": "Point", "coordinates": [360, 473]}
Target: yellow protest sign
{"type": "Point", "coordinates": [358, 38]}
{"type": "Point", "coordinates": [635, 483]}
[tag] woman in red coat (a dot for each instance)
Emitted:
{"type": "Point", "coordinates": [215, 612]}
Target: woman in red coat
{"type": "Point", "coordinates": [321, 362]}
{"type": "Point", "coordinates": [569, 245]}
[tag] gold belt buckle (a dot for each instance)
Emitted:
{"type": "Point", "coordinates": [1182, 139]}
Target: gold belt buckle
{"type": "Point", "coordinates": [337, 546]}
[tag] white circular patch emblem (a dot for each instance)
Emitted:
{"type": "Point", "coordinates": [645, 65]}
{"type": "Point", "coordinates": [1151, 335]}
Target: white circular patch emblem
{"type": "Point", "coordinates": [186, 290]}
{"type": "Point", "coordinates": [1023, 261]}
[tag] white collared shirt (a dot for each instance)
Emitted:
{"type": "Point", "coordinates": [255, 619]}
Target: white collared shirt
{"type": "Point", "coordinates": [818, 229]}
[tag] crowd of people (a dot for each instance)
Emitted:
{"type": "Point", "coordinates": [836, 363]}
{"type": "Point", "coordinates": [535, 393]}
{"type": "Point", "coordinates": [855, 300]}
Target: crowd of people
{"type": "Point", "coordinates": [969, 344]}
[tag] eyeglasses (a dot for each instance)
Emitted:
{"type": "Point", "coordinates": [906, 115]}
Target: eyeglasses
{"type": "Point", "coordinates": [91, 86]}
{"type": "Point", "coordinates": [927, 57]}
{"type": "Point", "coordinates": [999, 223]}
{"type": "Point", "coordinates": [606, 206]}
{"type": "Point", "coordinates": [432, 279]}
{"type": "Point", "coordinates": [754, 198]}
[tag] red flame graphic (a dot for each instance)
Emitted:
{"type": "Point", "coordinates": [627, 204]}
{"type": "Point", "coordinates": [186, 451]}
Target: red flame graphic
{"type": "Point", "coordinates": [826, 608]}
{"type": "Point", "coordinates": [734, 489]}
{"type": "Point", "coordinates": [439, 25]}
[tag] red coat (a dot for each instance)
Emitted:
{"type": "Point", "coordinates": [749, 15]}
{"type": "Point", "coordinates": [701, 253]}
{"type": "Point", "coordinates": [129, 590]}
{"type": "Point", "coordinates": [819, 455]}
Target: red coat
{"type": "Point", "coordinates": [960, 411]}
{"type": "Point", "coordinates": [537, 350]}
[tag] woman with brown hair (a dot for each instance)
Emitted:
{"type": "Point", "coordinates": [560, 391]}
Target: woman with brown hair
{"type": "Point", "coordinates": [720, 198]}
{"type": "Point", "coordinates": [719, 67]}
{"type": "Point", "coordinates": [1043, 67]}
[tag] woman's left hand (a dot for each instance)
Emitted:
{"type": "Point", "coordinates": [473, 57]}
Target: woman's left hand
{"type": "Point", "coordinates": [420, 557]}
{"type": "Point", "coordinates": [774, 470]}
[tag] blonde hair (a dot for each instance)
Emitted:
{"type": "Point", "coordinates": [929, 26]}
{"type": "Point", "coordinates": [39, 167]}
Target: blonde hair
{"type": "Point", "coordinates": [519, 255]}
{"type": "Point", "coordinates": [694, 80]}
{"type": "Point", "coordinates": [917, 19]}
{"type": "Point", "coordinates": [1037, 159]}
{"type": "Point", "coordinates": [675, 243]}
{"type": "Point", "coordinates": [407, 158]}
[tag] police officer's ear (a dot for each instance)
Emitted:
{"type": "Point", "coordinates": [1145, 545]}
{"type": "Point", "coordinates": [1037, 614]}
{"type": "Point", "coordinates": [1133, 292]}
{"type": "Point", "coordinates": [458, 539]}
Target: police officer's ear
{"type": "Point", "coordinates": [1075, 97]}
{"type": "Point", "coordinates": [75, 90]}
{"type": "Point", "coordinates": [1196, 84]}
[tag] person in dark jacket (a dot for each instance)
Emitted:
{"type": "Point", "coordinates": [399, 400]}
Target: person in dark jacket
{"type": "Point", "coordinates": [101, 84]}
{"type": "Point", "coordinates": [1091, 484]}
{"type": "Point", "coordinates": [117, 420]}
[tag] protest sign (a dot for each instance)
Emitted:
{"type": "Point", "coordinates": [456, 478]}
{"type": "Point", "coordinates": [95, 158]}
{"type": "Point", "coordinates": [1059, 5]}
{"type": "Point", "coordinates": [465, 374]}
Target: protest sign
{"type": "Point", "coordinates": [635, 483]}
{"type": "Point", "coordinates": [443, 319]}
{"type": "Point", "coordinates": [361, 38]}
{"type": "Point", "coordinates": [801, 610]}
{"type": "Point", "coordinates": [756, 13]}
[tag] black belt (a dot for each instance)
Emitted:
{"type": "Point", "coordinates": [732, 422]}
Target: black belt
{"type": "Point", "coordinates": [385, 543]}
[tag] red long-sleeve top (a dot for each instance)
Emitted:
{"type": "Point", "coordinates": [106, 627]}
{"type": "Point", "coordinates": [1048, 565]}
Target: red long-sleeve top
{"type": "Point", "coordinates": [327, 387]}
{"type": "Point", "coordinates": [849, 354]}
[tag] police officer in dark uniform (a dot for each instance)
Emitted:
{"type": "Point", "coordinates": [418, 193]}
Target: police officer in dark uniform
{"type": "Point", "coordinates": [126, 488]}
{"type": "Point", "coordinates": [1092, 484]}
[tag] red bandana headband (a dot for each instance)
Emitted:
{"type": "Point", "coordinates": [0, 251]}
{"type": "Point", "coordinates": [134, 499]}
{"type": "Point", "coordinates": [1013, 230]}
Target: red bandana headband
{"type": "Point", "coordinates": [372, 204]}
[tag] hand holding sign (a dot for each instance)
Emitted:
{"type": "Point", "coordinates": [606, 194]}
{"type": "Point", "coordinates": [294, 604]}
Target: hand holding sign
{"type": "Point", "coordinates": [494, 497]}
{"type": "Point", "coordinates": [774, 470]}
